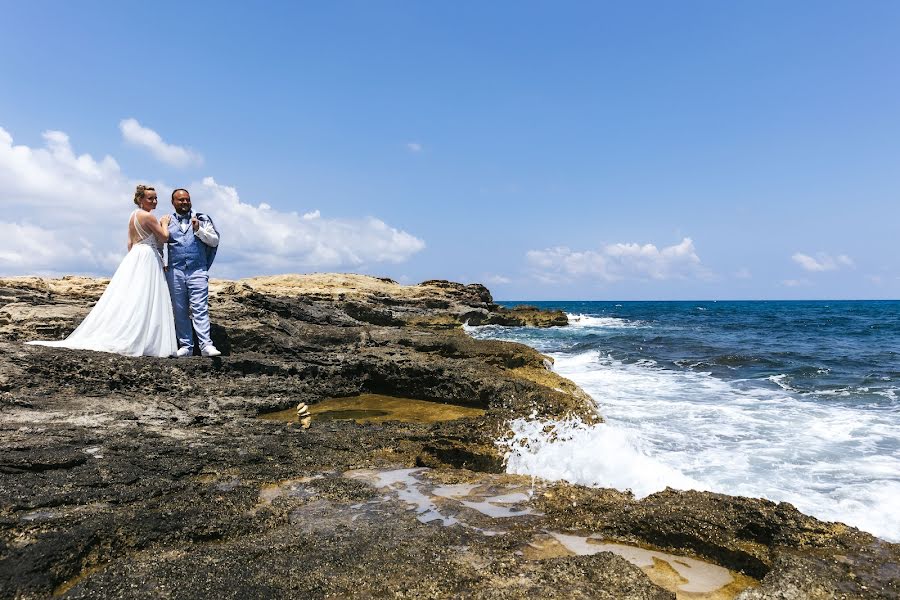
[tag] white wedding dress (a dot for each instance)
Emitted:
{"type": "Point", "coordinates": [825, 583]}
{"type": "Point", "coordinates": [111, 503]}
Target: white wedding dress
{"type": "Point", "coordinates": [134, 315]}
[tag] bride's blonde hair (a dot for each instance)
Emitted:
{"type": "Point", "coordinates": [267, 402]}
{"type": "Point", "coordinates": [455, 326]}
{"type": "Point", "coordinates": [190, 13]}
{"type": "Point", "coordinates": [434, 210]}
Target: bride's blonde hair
{"type": "Point", "coordinates": [139, 193]}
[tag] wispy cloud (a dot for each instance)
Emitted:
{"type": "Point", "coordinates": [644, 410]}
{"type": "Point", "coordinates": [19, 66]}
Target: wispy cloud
{"type": "Point", "coordinates": [743, 273]}
{"type": "Point", "coordinates": [822, 261]}
{"type": "Point", "coordinates": [66, 213]}
{"type": "Point", "coordinates": [136, 134]}
{"type": "Point", "coordinates": [414, 147]}
{"type": "Point", "coordinates": [496, 279]}
{"type": "Point", "coordinates": [615, 262]}
{"type": "Point", "coordinates": [795, 282]}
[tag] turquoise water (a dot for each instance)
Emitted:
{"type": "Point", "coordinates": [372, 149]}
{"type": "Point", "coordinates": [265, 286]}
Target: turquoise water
{"type": "Point", "coordinates": [792, 401]}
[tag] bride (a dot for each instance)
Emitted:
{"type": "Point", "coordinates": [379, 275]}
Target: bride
{"type": "Point", "coordinates": [134, 315]}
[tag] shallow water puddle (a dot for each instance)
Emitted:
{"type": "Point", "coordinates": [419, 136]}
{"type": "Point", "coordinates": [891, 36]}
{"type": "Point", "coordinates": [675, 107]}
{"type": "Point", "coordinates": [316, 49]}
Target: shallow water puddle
{"type": "Point", "coordinates": [373, 408]}
{"type": "Point", "coordinates": [687, 577]}
{"type": "Point", "coordinates": [448, 504]}
{"type": "Point", "coordinates": [403, 484]}
{"type": "Point", "coordinates": [466, 504]}
{"type": "Point", "coordinates": [496, 507]}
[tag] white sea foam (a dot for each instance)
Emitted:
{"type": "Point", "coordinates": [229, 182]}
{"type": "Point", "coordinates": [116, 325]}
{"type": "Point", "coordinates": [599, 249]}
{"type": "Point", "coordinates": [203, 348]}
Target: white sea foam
{"type": "Point", "coordinates": [472, 329]}
{"type": "Point", "coordinates": [580, 320]}
{"type": "Point", "coordinates": [889, 393]}
{"type": "Point", "coordinates": [779, 380]}
{"type": "Point", "coordinates": [594, 455]}
{"type": "Point", "coordinates": [686, 429]}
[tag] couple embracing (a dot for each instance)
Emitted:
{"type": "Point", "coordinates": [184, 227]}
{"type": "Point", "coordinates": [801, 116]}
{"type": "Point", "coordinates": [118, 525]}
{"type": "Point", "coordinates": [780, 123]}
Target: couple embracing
{"type": "Point", "coordinates": [149, 309]}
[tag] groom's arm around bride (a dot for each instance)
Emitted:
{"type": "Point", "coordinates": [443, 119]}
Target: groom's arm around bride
{"type": "Point", "coordinates": [192, 245]}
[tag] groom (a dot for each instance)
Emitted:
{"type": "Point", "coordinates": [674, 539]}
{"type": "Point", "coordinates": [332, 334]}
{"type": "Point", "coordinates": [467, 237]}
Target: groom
{"type": "Point", "coordinates": [192, 245]}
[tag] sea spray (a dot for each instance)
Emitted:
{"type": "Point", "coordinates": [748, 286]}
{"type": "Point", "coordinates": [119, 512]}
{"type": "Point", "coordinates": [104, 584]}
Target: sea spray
{"type": "Point", "coordinates": [593, 455]}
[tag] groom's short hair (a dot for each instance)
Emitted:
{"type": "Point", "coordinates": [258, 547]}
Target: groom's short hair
{"type": "Point", "coordinates": [179, 190]}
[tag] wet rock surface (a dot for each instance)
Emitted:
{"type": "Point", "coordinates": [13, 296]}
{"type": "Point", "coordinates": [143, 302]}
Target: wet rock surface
{"type": "Point", "coordinates": [146, 478]}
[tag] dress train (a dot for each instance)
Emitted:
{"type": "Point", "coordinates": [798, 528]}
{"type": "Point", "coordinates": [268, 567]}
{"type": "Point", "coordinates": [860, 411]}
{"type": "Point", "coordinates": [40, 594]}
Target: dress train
{"type": "Point", "coordinates": [134, 315]}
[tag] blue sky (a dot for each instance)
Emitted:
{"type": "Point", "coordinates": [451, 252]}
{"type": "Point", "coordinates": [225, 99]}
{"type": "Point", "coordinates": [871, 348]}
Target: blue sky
{"type": "Point", "coordinates": [651, 150]}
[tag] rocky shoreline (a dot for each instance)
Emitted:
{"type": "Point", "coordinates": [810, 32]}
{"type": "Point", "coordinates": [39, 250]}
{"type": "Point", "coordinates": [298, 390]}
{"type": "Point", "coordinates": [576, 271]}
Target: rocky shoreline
{"type": "Point", "coordinates": [140, 478]}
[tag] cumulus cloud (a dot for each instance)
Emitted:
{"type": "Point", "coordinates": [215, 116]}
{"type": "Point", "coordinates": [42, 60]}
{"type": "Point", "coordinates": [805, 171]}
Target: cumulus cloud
{"type": "Point", "coordinates": [66, 213]}
{"type": "Point", "coordinates": [40, 182]}
{"type": "Point", "coordinates": [59, 208]}
{"type": "Point", "coordinates": [261, 238]}
{"type": "Point", "coordinates": [24, 244]}
{"type": "Point", "coordinates": [822, 261]}
{"type": "Point", "coordinates": [615, 262]}
{"type": "Point", "coordinates": [136, 134]}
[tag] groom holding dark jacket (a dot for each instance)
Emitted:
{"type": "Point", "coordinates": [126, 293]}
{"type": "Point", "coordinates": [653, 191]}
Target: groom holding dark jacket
{"type": "Point", "coordinates": [192, 245]}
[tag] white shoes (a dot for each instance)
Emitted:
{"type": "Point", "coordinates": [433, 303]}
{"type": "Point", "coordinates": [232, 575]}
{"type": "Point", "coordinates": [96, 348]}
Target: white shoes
{"type": "Point", "coordinates": [209, 351]}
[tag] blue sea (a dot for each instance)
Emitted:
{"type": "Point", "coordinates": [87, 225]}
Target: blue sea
{"type": "Point", "coordinates": [790, 401]}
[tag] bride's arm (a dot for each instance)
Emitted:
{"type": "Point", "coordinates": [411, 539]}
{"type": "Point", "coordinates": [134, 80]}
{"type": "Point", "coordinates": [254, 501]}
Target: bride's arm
{"type": "Point", "coordinates": [159, 229]}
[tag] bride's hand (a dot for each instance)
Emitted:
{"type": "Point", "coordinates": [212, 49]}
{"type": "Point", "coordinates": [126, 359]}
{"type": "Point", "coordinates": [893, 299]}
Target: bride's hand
{"type": "Point", "coordinates": [164, 221]}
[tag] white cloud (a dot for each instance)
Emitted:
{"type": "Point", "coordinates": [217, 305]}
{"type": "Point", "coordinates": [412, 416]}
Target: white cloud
{"type": "Point", "coordinates": [795, 282]}
{"type": "Point", "coordinates": [415, 147]}
{"type": "Point", "coordinates": [64, 213]}
{"type": "Point", "coordinates": [822, 261]}
{"type": "Point", "coordinates": [743, 273]}
{"type": "Point", "coordinates": [58, 208]}
{"type": "Point", "coordinates": [22, 244]}
{"type": "Point", "coordinates": [40, 182]}
{"type": "Point", "coordinates": [496, 279]}
{"type": "Point", "coordinates": [260, 238]}
{"type": "Point", "coordinates": [136, 134]}
{"type": "Point", "coordinates": [615, 262]}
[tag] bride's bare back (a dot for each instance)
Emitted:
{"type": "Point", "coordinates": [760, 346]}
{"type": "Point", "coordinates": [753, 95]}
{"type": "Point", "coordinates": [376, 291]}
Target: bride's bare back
{"type": "Point", "coordinates": [142, 225]}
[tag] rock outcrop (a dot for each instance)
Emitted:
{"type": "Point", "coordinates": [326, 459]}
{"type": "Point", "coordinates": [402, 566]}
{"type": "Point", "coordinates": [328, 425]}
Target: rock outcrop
{"type": "Point", "coordinates": [124, 477]}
